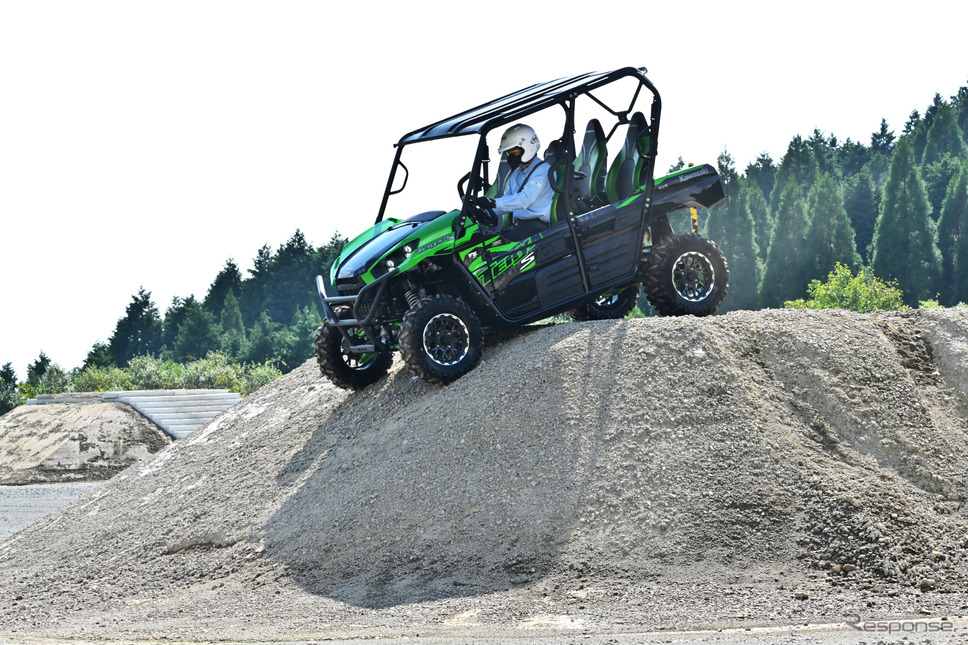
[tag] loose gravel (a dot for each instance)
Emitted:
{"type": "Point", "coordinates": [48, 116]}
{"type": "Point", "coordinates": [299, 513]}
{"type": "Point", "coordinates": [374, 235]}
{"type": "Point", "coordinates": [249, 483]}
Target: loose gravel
{"type": "Point", "coordinates": [23, 505]}
{"type": "Point", "coordinates": [756, 468]}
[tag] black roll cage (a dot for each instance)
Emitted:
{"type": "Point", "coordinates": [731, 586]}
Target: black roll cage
{"type": "Point", "coordinates": [512, 107]}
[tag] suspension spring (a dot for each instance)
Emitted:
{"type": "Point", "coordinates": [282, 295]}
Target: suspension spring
{"type": "Point", "coordinates": [413, 298]}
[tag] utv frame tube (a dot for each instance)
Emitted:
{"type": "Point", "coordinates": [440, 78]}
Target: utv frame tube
{"type": "Point", "coordinates": [364, 323]}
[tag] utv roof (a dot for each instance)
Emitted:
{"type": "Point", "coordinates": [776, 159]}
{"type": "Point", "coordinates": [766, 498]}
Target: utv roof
{"type": "Point", "coordinates": [518, 104]}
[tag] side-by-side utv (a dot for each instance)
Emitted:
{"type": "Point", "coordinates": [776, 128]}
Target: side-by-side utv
{"type": "Point", "coordinates": [427, 284]}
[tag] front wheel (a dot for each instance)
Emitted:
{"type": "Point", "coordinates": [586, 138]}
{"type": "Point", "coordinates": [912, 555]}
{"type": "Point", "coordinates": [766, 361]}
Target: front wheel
{"type": "Point", "coordinates": [441, 339]}
{"type": "Point", "coordinates": [686, 274]}
{"type": "Point", "coordinates": [345, 369]}
{"type": "Point", "coordinates": [609, 306]}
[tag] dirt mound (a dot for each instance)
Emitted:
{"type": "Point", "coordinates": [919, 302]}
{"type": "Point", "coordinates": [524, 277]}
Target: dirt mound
{"type": "Point", "coordinates": [752, 467]}
{"type": "Point", "coordinates": [78, 441]}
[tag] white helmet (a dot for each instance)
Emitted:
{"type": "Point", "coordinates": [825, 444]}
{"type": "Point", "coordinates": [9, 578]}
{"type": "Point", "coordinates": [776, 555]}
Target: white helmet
{"type": "Point", "coordinates": [520, 136]}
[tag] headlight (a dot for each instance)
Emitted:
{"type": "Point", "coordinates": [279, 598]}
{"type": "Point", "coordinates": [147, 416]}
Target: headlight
{"type": "Point", "coordinates": [408, 249]}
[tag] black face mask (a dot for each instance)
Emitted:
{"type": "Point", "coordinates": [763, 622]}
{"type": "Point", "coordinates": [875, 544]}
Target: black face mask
{"type": "Point", "coordinates": [515, 160]}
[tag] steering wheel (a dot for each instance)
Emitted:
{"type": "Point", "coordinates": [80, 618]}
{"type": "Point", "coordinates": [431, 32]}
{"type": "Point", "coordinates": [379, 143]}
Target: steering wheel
{"type": "Point", "coordinates": [485, 216]}
{"type": "Point", "coordinates": [481, 214]}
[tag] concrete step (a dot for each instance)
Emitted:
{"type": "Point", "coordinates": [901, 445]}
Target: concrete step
{"type": "Point", "coordinates": [179, 412]}
{"type": "Point", "coordinates": [166, 416]}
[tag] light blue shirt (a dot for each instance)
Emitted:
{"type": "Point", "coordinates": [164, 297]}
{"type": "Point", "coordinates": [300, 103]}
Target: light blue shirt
{"type": "Point", "coordinates": [529, 199]}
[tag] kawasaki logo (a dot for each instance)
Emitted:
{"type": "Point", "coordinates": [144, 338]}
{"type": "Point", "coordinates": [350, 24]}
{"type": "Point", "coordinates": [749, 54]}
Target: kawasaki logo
{"type": "Point", "coordinates": [446, 238]}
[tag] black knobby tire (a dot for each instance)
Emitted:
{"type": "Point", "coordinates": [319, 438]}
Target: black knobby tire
{"type": "Point", "coordinates": [686, 274]}
{"type": "Point", "coordinates": [609, 306]}
{"type": "Point", "coordinates": [346, 370]}
{"type": "Point", "coordinates": [441, 339]}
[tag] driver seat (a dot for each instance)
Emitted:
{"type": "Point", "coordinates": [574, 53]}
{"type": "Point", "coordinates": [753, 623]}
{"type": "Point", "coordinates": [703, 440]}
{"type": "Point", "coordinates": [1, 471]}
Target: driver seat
{"type": "Point", "coordinates": [496, 189]}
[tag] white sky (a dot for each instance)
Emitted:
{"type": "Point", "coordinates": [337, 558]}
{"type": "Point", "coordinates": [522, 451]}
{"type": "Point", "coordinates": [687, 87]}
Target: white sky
{"type": "Point", "coordinates": [144, 143]}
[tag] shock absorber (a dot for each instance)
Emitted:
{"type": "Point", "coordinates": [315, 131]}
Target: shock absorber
{"type": "Point", "coordinates": [413, 298]}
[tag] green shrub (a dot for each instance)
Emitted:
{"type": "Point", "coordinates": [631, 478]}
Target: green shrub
{"type": "Point", "coordinates": [215, 371]}
{"type": "Point", "coordinates": [151, 373]}
{"type": "Point", "coordinates": [256, 375]}
{"type": "Point", "coordinates": [862, 293]}
{"type": "Point", "coordinates": [102, 379]}
{"type": "Point", "coordinates": [54, 381]}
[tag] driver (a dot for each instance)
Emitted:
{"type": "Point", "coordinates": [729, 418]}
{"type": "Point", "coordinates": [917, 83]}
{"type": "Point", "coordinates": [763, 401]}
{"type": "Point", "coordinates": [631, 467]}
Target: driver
{"type": "Point", "coordinates": [528, 194]}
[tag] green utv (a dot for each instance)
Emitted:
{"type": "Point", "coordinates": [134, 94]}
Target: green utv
{"type": "Point", "coordinates": [426, 284]}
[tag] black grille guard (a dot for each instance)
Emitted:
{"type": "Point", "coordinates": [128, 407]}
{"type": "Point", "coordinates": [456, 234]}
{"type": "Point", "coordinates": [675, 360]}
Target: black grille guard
{"type": "Point", "coordinates": [364, 323]}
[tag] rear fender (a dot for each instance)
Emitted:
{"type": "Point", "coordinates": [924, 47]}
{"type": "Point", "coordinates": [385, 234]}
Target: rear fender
{"type": "Point", "coordinates": [697, 187]}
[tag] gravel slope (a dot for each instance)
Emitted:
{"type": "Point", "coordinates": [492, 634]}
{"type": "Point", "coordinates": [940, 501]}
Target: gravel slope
{"type": "Point", "coordinates": [23, 505]}
{"type": "Point", "coordinates": [747, 469]}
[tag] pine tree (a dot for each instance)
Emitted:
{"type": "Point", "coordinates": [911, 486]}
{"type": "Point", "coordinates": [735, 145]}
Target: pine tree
{"type": "Point", "coordinates": [921, 127]}
{"type": "Point", "coordinates": [961, 253]}
{"type": "Point", "coordinates": [785, 275]}
{"type": "Point", "coordinates": [262, 340]}
{"type": "Point", "coordinates": [882, 141]}
{"type": "Point", "coordinates": [37, 369]}
{"type": "Point", "coordinates": [860, 202]}
{"type": "Point", "coordinates": [296, 342]}
{"type": "Point", "coordinates": [731, 225]}
{"type": "Point", "coordinates": [138, 333]}
{"type": "Point", "coordinates": [830, 237]}
{"type": "Point", "coordinates": [762, 220]}
{"type": "Point", "coordinates": [937, 176]}
{"type": "Point", "coordinates": [852, 156]}
{"type": "Point", "coordinates": [824, 150]}
{"type": "Point", "coordinates": [728, 176]}
{"type": "Point", "coordinates": [7, 374]}
{"type": "Point", "coordinates": [233, 340]}
{"type": "Point", "coordinates": [960, 103]}
{"type": "Point", "coordinates": [762, 172]}
{"type": "Point", "coordinates": [197, 334]}
{"type": "Point", "coordinates": [797, 164]}
{"type": "Point", "coordinates": [98, 356]}
{"type": "Point", "coordinates": [904, 246]}
{"type": "Point", "coordinates": [175, 316]}
{"type": "Point", "coordinates": [9, 398]}
{"type": "Point", "coordinates": [228, 279]}
{"type": "Point", "coordinates": [954, 212]}
{"type": "Point", "coordinates": [944, 136]}
{"type": "Point", "coordinates": [912, 123]}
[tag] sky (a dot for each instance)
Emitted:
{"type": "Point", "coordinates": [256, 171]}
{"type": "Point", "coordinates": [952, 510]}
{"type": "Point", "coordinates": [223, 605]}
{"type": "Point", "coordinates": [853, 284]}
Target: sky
{"type": "Point", "coordinates": [143, 144]}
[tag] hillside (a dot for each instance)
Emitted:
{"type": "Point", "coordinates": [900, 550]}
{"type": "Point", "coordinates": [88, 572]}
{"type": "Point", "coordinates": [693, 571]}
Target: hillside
{"type": "Point", "coordinates": [754, 468]}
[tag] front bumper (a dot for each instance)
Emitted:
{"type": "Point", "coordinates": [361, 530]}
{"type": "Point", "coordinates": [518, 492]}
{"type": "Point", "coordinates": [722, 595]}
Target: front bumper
{"type": "Point", "coordinates": [363, 308]}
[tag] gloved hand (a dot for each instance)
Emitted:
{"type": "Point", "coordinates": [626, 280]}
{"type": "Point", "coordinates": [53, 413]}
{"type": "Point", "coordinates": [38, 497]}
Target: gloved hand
{"type": "Point", "coordinates": [485, 203]}
{"type": "Point", "coordinates": [485, 211]}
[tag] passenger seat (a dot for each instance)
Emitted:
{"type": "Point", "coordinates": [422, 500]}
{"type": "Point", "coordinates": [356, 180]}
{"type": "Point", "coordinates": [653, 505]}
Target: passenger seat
{"type": "Point", "coordinates": [627, 174]}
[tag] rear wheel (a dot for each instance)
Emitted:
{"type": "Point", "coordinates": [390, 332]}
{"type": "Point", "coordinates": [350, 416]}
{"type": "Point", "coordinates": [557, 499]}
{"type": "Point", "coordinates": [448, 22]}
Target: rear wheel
{"type": "Point", "coordinates": [441, 339]}
{"type": "Point", "coordinates": [686, 274]}
{"type": "Point", "coordinates": [609, 306]}
{"type": "Point", "coordinates": [348, 370]}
